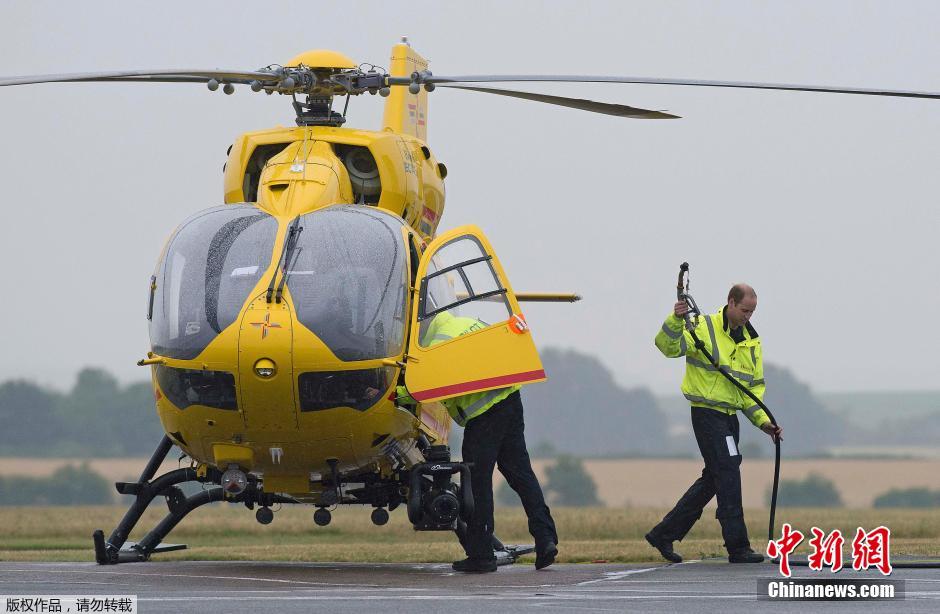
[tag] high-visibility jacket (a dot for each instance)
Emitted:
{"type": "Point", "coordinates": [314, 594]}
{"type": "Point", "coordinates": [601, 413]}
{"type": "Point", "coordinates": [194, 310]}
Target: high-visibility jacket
{"type": "Point", "coordinates": [703, 386]}
{"type": "Point", "coordinates": [462, 409]}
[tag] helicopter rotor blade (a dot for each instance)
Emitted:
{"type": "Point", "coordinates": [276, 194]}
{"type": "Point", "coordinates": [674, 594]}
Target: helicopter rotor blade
{"type": "Point", "coordinates": [153, 76]}
{"type": "Point", "coordinates": [301, 79]}
{"type": "Point", "coordinates": [583, 104]}
{"type": "Point", "coordinates": [441, 80]}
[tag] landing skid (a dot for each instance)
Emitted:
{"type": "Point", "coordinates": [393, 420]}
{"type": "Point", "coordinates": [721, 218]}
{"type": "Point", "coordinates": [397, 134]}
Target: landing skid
{"type": "Point", "coordinates": [130, 552]}
{"type": "Point", "coordinates": [506, 554]}
{"type": "Point", "coordinates": [511, 553]}
{"type": "Point", "coordinates": [116, 549]}
{"type": "Point", "coordinates": [159, 548]}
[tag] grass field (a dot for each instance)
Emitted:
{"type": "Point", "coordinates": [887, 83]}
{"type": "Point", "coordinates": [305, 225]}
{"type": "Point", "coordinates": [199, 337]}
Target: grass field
{"type": "Point", "coordinates": [652, 483]}
{"type": "Point", "coordinates": [230, 532]}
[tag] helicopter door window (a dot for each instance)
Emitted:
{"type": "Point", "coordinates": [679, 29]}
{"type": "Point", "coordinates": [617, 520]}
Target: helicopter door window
{"type": "Point", "coordinates": [349, 280]}
{"type": "Point", "coordinates": [461, 281]}
{"type": "Point", "coordinates": [211, 265]}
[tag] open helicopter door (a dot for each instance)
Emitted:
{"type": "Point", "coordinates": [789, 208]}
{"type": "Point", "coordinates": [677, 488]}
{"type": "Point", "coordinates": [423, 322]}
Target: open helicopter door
{"type": "Point", "coordinates": [460, 277]}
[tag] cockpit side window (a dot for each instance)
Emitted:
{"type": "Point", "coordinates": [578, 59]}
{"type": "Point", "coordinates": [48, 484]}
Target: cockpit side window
{"type": "Point", "coordinates": [460, 282]}
{"type": "Point", "coordinates": [349, 281]}
{"type": "Point", "coordinates": [211, 264]}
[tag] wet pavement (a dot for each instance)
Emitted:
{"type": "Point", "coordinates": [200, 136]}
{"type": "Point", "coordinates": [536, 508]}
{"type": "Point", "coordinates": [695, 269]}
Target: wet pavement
{"type": "Point", "coordinates": [208, 587]}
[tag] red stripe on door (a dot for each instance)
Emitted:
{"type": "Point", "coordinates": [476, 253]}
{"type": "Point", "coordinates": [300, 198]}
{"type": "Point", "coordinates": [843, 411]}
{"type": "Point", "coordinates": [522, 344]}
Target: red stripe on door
{"type": "Point", "coordinates": [490, 382]}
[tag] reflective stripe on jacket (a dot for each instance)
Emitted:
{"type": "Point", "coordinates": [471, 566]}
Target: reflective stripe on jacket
{"type": "Point", "coordinates": [703, 386]}
{"type": "Point", "coordinates": [462, 409]}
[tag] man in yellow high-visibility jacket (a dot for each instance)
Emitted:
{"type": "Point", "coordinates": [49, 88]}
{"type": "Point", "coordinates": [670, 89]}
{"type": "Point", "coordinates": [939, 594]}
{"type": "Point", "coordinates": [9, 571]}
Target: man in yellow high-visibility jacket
{"type": "Point", "coordinates": [494, 434]}
{"type": "Point", "coordinates": [444, 327]}
{"type": "Point", "coordinates": [735, 345]}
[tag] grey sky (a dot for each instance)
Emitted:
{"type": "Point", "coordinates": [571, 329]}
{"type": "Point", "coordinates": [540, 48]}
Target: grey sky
{"type": "Point", "coordinates": [826, 204]}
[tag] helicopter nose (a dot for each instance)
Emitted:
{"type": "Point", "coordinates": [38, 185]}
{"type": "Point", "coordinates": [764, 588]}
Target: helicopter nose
{"type": "Point", "coordinates": [264, 365]}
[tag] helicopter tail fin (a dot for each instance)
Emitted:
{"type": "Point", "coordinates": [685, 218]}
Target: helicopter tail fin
{"type": "Point", "coordinates": [405, 112]}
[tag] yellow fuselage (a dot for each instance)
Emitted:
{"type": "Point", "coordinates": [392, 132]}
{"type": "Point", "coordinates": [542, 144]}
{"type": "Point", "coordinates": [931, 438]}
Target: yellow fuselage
{"type": "Point", "coordinates": [286, 173]}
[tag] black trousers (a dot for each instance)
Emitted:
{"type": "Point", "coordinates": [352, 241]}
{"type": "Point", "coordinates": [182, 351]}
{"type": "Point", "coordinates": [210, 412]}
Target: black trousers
{"type": "Point", "coordinates": [497, 438]}
{"type": "Point", "coordinates": [714, 432]}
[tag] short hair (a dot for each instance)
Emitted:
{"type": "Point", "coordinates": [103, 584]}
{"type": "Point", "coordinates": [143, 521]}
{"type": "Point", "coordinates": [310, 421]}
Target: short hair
{"type": "Point", "coordinates": [739, 291]}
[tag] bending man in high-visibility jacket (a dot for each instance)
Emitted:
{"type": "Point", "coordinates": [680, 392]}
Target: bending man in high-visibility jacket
{"type": "Point", "coordinates": [736, 347]}
{"type": "Point", "coordinates": [494, 435]}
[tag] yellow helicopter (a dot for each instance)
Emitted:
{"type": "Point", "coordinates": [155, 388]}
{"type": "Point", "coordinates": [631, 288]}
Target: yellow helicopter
{"type": "Point", "coordinates": [282, 321]}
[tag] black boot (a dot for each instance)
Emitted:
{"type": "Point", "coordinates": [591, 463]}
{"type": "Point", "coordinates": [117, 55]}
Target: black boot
{"type": "Point", "coordinates": [745, 556]}
{"type": "Point", "coordinates": [475, 565]}
{"type": "Point", "coordinates": [664, 547]}
{"type": "Point", "coordinates": [545, 554]}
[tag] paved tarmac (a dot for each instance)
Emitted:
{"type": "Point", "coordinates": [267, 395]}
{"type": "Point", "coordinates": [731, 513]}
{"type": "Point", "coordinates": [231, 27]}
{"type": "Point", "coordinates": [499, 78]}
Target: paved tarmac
{"type": "Point", "coordinates": [209, 587]}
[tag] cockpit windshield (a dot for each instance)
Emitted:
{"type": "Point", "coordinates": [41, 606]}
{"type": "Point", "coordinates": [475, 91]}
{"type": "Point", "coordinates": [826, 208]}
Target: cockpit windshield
{"type": "Point", "coordinates": [348, 281]}
{"type": "Point", "coordinates": [210, 266]}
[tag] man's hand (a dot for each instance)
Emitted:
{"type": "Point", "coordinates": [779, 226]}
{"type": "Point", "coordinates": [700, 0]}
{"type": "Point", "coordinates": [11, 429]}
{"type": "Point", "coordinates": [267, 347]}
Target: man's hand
{"type": "Point", "coordinates": [403, 397]}
{"type": "Point", "coordinates": [680, 309]}
{"type": "Point", "coordinates": [773, 430]}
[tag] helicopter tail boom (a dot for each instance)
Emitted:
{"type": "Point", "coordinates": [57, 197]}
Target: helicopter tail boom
{"type": "Point", "coordinates": [405, 112]}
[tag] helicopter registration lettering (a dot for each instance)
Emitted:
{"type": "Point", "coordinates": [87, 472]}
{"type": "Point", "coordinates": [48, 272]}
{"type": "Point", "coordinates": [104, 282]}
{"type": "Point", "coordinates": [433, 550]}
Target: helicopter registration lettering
{"type": "Point", "coordinates": [431, 216]}
{"type": "Point", "coordinates": [416, 115]}
{"type": "Point", "coordinates": [408, 160]}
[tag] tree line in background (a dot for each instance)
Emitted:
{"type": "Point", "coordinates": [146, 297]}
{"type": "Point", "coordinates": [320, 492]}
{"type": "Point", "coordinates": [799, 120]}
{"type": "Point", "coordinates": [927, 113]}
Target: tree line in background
{"type": "Point", "coordinates": [98, 417]}
{"type": "Point", "coordinates": [567, 484]}
{"type": "Point", "coordinates": [817, 491]}
{"type": "Point", "coordinates": [581, 410]}
{"type": "Point", "coordinates": [68, 485]}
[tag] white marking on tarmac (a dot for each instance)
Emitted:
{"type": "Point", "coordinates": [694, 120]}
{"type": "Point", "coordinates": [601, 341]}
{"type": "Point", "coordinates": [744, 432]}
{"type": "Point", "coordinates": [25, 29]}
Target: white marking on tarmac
{"type": "Point", "coordinates": [167, 575]}
{"type": "Point", "coordinates": [570, 608]}
{"type": "Point", "coordinates": [514, 586]}
{"type": "Point", "coordinates": [684, 581]}
{"type": "Point", "coordinates": [617, 575]}
{"type": "Point", "coordinates": [70, 583]}
{"type": "Point", "coordinates": [473, 597]}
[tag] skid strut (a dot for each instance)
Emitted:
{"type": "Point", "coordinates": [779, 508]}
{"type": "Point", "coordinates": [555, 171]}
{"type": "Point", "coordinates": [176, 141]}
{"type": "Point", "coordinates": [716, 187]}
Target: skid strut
{"type": "Point", "coordinates": [116, 549]}
{"type": "Point", "coordinates": [142, 550]}
{"type": "Point", "coordinates": [145, 489]}
{"type": "Point", "coordinates": [108, 552]}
